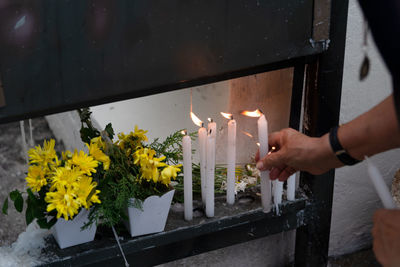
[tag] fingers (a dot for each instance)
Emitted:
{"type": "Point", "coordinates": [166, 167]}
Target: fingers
{"type": "Point", "coordinates": [257, 158]}
{"type": "Point", "coordinates": [274, 139]}
{"type": "Point", "coordinates": [271, 160]}
{"type": "Point", "coordinates": [285, 174]}
{"type": "Point", "coordinates": [282, 174]}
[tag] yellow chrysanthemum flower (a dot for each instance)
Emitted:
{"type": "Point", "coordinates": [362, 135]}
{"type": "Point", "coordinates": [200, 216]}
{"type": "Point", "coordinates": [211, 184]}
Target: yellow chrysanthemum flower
{"type": "Point", "coordinates": [65, 176]}
{"type": "Point", "coordinates": [99, 155]}
{"type": "Point", "coordinates": [83, 191]}
{"type": "Point", "coordinates": [66, 155]}
{"type": "Point", "coordinates": [170, 172]}
{"type": "Point", "coordinates": [140, 134]}
{"type": "Point", "coordinates": [144, 157]}
{"type": "Point", "coordinates": [42, 156]}
{"type": "Point", "coordinates": [132, 140]}
{"type": "Point", "coordinates": [99, 142]}
{"type": "Point", "coordinates": [87, 164]}
{"type": "Point", "coordinates": [63, 201]}
{"type": "Point", "coordinates": [36, 178]}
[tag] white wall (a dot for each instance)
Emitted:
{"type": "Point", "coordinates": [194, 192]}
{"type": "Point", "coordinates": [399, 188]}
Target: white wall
{"type": "Point", "coordinates": [162, 114]}
{"type": "Point", "coordinates": [354, 197]}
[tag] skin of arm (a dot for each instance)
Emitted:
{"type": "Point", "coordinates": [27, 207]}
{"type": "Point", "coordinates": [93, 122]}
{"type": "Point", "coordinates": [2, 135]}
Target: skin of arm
{"type": "Point", "coordinates": [386, 233]}
{"type": "Point", "coordinates": [373, 132]}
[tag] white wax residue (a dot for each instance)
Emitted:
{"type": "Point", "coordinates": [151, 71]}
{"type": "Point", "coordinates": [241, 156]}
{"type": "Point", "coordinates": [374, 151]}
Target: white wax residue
{"type": "Point", "coordinates": [26, 250]}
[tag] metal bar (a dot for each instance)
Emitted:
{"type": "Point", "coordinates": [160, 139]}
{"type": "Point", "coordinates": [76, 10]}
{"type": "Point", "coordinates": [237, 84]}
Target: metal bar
{"type": "Point", "coordinates": [321, 23]}
{"type": "Point", "coordinates": [297, 95]}
{"type": "Point", "coordinates": [324, 91]}
{"type": "Point", "coordinates": [2, 99]}
{"type": "Point", "coordinates": [183, 242]}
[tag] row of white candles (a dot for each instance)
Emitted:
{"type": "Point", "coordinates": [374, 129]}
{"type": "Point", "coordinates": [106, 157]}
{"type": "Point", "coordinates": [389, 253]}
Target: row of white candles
{"type": "Point", "coordinates": [207, 142]}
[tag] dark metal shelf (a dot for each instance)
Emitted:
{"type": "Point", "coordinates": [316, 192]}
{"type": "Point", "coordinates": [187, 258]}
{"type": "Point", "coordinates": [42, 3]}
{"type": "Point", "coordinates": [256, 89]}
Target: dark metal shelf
{"type": "Point", "coordinates": [189, 239]}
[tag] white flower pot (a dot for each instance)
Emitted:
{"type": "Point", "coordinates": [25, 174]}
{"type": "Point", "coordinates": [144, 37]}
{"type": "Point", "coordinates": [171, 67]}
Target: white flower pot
{"type": "Point", "coordinates": [69, 233]}
{"type": "Point", "coordinates": [153, 216]}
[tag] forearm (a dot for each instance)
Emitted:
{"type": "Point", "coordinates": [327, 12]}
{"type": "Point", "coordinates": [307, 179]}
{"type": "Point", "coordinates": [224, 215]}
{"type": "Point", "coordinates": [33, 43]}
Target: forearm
{"type": "Point", "coordinates": [372, 132]}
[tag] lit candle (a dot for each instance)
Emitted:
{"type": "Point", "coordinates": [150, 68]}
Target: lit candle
{"type": "Point", "coordinates": [202, 133]}
{"type": "Point", "coordinates": [380, 185]}
{"type": "Point", "coordinates": [265, 182]}
{"type": "Point", "coordinates": [291, 187]}
{"type": "Point", "coordinates": [212, 127]}
{"type": "Point", "coordinates": [210, 173]}
{"type": "Point", "coordinates": [264, 175]}
{"type": "Point", "coordinates": [187, 176]}
{"type": "Point", "coordinates": [231, 159]}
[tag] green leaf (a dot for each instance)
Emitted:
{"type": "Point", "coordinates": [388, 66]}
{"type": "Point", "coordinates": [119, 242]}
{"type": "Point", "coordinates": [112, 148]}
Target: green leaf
{"type": "Point", "coordinates": [29, 213]}
{"type": "Point", "coordinates": [86, 134]}
{"type": "Point", "coordinates": [14, 194]}
{"type": "Point", "coordinates": [19, 203]}
{"type": "Point", "coordinates": [44, 224]}
{"type": "Point", "coordinates": [18, 200]}
{"type": "Point", "coordinates": [32, 196]}
{"type": "Point", "coordinates": [110, 131]}
{"type": "Point", "coordinates": [5, 206]}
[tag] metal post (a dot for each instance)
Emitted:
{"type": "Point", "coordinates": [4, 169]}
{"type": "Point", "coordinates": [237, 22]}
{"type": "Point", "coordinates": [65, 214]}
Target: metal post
{"type": "Point", "coordinates": [322, 106]}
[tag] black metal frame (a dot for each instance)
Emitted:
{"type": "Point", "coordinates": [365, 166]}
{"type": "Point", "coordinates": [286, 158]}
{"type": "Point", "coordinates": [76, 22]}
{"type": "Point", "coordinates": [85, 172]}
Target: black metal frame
{"type": "Point", "coordinates": [311, 217]}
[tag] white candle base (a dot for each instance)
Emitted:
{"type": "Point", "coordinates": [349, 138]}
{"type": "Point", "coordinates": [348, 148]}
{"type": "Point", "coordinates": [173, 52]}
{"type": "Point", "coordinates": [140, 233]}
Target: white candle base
{"type": "Point", "coordinates": [278, 191]}
{"type": "Point", "coordinates": [291, 187]}
{"type": "Point", "coordinates": [265, 183]}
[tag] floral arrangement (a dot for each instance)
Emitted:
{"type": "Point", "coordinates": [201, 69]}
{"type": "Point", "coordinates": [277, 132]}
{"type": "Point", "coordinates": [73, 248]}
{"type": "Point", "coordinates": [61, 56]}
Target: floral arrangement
{"type": "Point", "coordinates": [60, 185]}
{"type": "Point", "coordinates": [137, 169]}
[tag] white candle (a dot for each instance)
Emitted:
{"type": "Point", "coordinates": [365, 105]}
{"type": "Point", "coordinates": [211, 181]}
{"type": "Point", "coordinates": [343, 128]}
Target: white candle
{"type": "Point", "coordinates": [231, 162]}
{"type": "Point", "coordinates": [24, 145]}
{"type": "Point", "coordinates": [31, 142]}
{"type": "Point", "coordinates": [278, 191]}
{"type": "Point", "coordinates": [210, 174]}
{"type": "Point", "coordinates": [212, 127]}
{"type": "Point", "coordinates": [380, 185]}
{"type": "Point", "coordinates": [291, 187]}
{"type": "Point", "coordinates": [202, 150]}
{"type": "Point", "coordinates": [187, 177]}
{"type": "Point", "coordinates": [264, 176]}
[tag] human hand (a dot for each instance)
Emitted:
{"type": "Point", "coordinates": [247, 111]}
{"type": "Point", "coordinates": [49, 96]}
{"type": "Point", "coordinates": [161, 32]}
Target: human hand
{"type": "Point", "coordinates": [386, 234]}
{"type": "Point", "coordinates": [297, 152]}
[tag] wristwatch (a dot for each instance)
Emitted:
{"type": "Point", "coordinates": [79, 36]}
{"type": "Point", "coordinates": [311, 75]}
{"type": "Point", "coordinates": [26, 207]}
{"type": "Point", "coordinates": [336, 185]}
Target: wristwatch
{"type": "Point", "coordinates": [338, 149]}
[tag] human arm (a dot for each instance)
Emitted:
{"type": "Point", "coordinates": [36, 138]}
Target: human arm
{"type": "Point", "coordinates": [372, 132]}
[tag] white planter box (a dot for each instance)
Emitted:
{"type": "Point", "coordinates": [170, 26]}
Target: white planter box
{"type": "Point", "coordinates": [68, 233]}
{"type": "Point", "coordinates": [152, 218]}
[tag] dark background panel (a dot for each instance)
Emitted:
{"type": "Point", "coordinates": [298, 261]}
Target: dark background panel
{"type": "Point", "coordinates": [59, 55]}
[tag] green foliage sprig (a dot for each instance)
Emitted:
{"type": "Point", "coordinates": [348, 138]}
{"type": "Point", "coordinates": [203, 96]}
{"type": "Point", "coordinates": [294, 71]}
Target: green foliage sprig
{"type": "Point", "coordinates": [120, 183]}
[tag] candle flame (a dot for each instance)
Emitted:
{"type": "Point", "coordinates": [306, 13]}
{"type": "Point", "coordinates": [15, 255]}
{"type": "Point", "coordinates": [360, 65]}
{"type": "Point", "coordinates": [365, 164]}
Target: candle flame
{"type": "Point", "coordinates": [256, 113]}
{"type": "Point", "coordinates": [248, 134]}
{"type": "Point", "coordinates": [258, 144]}
{"type": "Point", "coordinates": [184, 132]}
{"type": "Point", "coordinates": [210, 120]}
{"type": "Point", "coordinates": [272, 150]}
{"type": "Point", "coordinates": [195, 119]}
{"type": "Point", "coordinates": [227, 115]}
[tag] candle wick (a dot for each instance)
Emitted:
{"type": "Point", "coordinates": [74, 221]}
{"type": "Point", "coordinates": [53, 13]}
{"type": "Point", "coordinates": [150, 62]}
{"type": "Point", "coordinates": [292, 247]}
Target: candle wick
{"type": "Point", "coordinates": [202, 124]}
